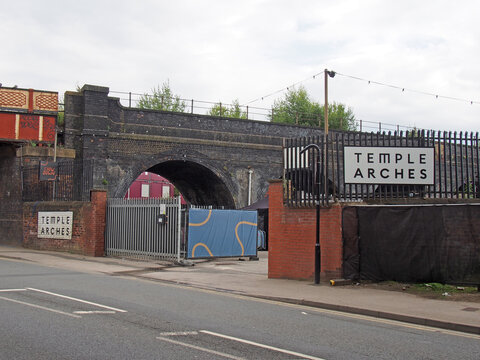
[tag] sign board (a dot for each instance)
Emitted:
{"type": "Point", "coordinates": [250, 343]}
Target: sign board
{"type": "Point", "coordinates": [389, 165]}
{"type": "Point", "coordinates": [55, 224]}
{"type": "Point", "coordinates": [48, 170]}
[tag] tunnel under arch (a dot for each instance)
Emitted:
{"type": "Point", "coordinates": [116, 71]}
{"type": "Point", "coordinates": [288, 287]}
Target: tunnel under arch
{"type": "Point", "coordinates": [198, 184]}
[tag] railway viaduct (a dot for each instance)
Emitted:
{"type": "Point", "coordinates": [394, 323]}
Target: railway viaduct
{"type": "Point", "coordinates": [211, 160]}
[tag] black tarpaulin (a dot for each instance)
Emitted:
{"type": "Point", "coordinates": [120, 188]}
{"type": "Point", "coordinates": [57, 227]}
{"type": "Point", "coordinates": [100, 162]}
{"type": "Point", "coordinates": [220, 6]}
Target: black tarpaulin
{"type": "Point", "coordinates": [416, 243]}
{"type": "Point", "coordinates": [351, 256]}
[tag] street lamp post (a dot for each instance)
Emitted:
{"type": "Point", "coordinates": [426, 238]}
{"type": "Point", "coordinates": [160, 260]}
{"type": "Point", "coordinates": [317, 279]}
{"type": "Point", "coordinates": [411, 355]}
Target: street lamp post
{"type": "Point", "coordinates": [328, 73]}
{"type": "Point", "coordinates": [317, 239]}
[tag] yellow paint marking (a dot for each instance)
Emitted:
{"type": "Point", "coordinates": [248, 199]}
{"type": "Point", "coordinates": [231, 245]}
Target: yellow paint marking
{"type": "Point", "coordinates": [236, 232]}
{"type": "Point", "coordinates": [17, 126]}
{"type": "Point", "coordinates": [204, 222]}
{"type": "Point", "coordinates": [203, 245]}
{"type": "Point", "coordinates": [40, 128]}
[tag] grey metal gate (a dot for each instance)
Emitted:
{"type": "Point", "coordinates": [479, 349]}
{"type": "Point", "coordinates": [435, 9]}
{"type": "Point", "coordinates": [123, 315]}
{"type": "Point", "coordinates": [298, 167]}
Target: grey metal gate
{"type": "Point", "coordinates": [143, 228]}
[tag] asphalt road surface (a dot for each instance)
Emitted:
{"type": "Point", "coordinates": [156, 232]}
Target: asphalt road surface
{"type": "Point", "coordinates": [48, 313]}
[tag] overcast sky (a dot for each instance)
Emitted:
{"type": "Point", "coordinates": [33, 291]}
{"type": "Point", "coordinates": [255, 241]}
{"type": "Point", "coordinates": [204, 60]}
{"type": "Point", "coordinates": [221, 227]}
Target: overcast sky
{"type": "Point", "coordinates": [225, 50]}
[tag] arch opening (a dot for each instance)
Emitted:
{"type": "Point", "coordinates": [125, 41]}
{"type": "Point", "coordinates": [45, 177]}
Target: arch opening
{"type": "Point", "coordinates": [198, 184]}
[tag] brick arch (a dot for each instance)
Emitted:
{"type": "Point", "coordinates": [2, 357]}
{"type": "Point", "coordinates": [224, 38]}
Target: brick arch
{"type": "Point", "coordinates": [197, 177]}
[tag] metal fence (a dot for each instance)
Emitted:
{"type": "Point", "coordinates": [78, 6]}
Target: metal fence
{"type": "Point", "coordinates": [313, 176]}
{"type": "Point", "coordinates": [144, 228]}
{"type": "Point", "coordinates": [201, 107]}
{"type": "Point", "coordinates": [73, 182]}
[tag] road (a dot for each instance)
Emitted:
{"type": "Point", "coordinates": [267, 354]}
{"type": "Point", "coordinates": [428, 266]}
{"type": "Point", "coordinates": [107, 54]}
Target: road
{"type": "Point", "coordinates": [50, 313]}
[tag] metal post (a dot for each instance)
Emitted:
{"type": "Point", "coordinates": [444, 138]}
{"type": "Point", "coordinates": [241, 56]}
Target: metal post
{"type": "Point", "coordinates": [317, 230]}
{"type": "Point", "coordinates": [249, 200]}
{"type": "Point", "coordinates": [55, 162]}
{"type": "Point", "coordinates": [179, 224]}
{"type": "Point", "coordinates": [325, 106]}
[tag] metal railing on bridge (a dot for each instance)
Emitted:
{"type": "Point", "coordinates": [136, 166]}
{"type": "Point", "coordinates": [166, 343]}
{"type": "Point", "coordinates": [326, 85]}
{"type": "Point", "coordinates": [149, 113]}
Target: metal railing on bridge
{"type": "Point", "coordinates": [201, 107]}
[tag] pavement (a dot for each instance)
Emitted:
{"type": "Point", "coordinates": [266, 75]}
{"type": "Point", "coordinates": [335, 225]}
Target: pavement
{"type": "Point", "coordinates": [242, 276]}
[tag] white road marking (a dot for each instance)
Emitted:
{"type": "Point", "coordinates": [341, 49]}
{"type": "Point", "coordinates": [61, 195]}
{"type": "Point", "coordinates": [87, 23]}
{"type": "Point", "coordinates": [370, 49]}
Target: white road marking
{"type": "Point", "coordinates": [39, 307]}
{"type": "Point", "coordinates": [12, 290]}
{"type": "Point", "coordinates": [225, 355]}
{"type": "Point", "coordinates": [303, 356]}
{"type": "Point", "coordinates": [179, 333]}
{"type": "Point", "coordinates": [95, 312]}
{"type": "Point", "coordinates": [78, 300]}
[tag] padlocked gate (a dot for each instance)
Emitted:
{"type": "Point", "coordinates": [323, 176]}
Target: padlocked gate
{"type": "Point", "coordinates": [149, 228]}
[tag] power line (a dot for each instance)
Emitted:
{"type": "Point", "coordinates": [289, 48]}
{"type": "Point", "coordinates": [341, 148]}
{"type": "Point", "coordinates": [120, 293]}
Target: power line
{"type": "Point", "coordinates": [436, 95]}
{"type": "Point", "coordinates": [403, 89]}
{"type": "Point", "coordinates": [282, 90]}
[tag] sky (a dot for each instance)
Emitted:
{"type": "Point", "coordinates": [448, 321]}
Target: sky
{"type": "Point", "coordinates": [221, 50]}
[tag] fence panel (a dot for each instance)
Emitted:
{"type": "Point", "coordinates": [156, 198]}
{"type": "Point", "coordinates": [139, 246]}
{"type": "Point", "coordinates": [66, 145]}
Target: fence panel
{"type": "Point", "coordinates": [73, 182]}
{"type": "Point", "coordinates": [455, 167]}
{"type": "Point", "coordinates": [222, 233]}
{"type": "Point", "coordinates": [144, 228]}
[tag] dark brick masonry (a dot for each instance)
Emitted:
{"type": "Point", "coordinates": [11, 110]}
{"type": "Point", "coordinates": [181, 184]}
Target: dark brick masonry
{"type": "Point", "coordinates": [207, 158]}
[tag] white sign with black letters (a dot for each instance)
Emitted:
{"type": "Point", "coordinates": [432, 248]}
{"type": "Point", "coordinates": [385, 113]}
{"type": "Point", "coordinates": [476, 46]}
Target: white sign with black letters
{"type": "Point", "coordinates": [55, 224]}
{"type": "Point", "coordinates": [389, 165]}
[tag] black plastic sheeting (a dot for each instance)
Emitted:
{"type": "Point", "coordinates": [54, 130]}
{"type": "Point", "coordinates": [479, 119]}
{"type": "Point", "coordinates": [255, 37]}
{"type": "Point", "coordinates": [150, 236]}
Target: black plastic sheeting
{"type": "Point", "coordinates": [439, 243]}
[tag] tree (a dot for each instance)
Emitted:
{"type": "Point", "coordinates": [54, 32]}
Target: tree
{"type": "Point", "coordinates": [340, 117]}
{"type": "Point", "coordinates": [298, 108]}
{"type": "Point", "coordinates": [162, 99]}
{"type": "Point", "coordinates": [233, 111]}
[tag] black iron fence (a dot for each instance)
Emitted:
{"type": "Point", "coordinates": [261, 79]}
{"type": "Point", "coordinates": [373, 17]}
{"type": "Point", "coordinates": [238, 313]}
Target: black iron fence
{"type": "Point", "coordinates": [73, 182]}
{"type": "Point", "coordinates": [326, 174]}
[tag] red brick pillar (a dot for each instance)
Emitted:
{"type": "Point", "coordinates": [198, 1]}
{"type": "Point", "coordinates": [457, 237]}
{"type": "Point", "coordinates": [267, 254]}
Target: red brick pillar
{"type": "Point", "coordinates": [291, 239]}
{"type": "Point", "coordinates": [98, 199]}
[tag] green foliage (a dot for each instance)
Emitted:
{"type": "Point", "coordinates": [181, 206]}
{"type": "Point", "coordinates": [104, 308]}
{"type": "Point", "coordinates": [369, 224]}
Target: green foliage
{"type": "Point", "coordinates": [297, 108]}
{"type": "Point", "coordinates": [340, 117]}
{"type": "Point", "coordinates": [162, 99]}
{"type": "Point", "coordinates": [233, 111]}
{"type": "Point", "coordinates": [61, 116]}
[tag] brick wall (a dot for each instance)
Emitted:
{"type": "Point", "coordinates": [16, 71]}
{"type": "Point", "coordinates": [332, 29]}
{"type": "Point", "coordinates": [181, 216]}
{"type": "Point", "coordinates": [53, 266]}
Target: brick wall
{"type": "Point", "coordinates": [292, 235]}
{"type": "Point", "coordinates": [88, 225]}
{"type": "Point", "coordinates": [10, 197]}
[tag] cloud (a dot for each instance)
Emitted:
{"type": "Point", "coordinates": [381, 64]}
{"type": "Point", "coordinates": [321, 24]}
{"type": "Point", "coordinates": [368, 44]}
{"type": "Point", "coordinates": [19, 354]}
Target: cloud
{"type": "Point", "coordinates": [224, 50]}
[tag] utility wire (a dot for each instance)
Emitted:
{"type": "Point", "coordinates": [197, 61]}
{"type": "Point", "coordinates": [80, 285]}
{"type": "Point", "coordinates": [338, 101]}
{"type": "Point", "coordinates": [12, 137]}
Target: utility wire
{"type": "Point", "coordinates": [437, 96]}
{"type": "Point", "coordinates": [282, 90]}
{"type": "Point", "coordinates": [403, 89]}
